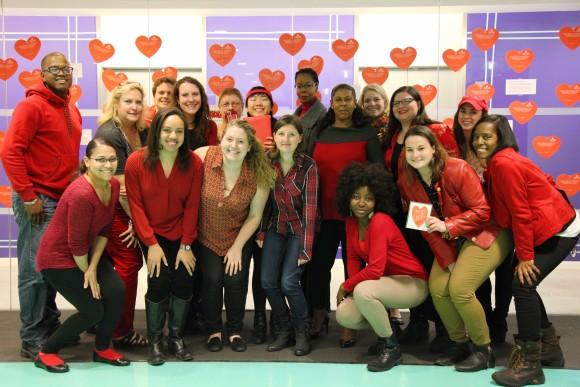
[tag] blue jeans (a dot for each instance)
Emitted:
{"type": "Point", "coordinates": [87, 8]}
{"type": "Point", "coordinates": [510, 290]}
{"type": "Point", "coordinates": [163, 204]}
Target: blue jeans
{"type": "Point", "coordinates": [281, 278]}
{"type": "Point", "coordinates": [38, 312]}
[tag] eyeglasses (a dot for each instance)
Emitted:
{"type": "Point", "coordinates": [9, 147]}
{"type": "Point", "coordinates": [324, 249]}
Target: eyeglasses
{"type": "Point", "coordinates": [55, 70]}
{"type": "Point", "coordinates": [231, 104]}
{"type": "Point", "coordinates": [403, 102]}
{"type": "Point", "coordinates": [304, 86]}
{"type": "Point", "coordinates": [104, 160]}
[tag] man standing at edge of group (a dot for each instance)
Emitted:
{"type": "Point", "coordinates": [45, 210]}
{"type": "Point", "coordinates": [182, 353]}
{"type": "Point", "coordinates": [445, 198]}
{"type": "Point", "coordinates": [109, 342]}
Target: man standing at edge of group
{"type": "Point", "coordinates": [40, 157]}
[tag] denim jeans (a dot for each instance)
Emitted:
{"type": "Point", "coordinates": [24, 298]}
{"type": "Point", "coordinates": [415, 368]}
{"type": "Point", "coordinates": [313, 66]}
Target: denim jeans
{"type": "Point", "coordinates": [38, 311]}
{"type": "Point", "coordinates": [281, 278]}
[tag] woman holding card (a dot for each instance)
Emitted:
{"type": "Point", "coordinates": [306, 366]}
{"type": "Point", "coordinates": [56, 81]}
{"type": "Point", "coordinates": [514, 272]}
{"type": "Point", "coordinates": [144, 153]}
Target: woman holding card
{"type": "Point", "coordinates": [545, 228]}
{"type": "Point", "coordinates": [466, 245]}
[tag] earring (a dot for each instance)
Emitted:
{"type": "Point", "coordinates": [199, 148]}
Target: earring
{"type": "Point", "coordinates": [371, 214]}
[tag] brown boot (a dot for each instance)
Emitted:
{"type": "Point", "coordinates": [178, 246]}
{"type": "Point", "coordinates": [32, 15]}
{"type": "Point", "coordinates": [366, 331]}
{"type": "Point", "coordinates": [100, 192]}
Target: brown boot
{"type": "Point", "coordinates": [523, 367]}
{"type": "Point", "coordinates": [552, 355]}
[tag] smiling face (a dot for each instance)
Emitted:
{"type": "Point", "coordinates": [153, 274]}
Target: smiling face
{"type": "Point", "coordinates": [405, 108]}
{"type": "Point", "coordinates": [287, 139]}
{"type": "Point", "coordinates": [259, 105]}
{"type": "Point", "coordinates": [130, 107]}
{"type": "Point", "coordinates": [163, 97]}
{"type": "Point", "coordinates": [101, 164]}
{"type": "Point", "coordinates": [362, 202]}
{"type": "Point", "coordinates": [234, 145]}
{"type": "Point", "coordinates": [59, 83]}
{"type": "Point", "coordinates": [231, 102]}
{"type": "Point", "coordinates": [467, 116]}
{"type": "Point", "coordinates": [373, 104]}
{"type": "Point", "coordinates": [189, 99]}
{"type": "Point", "coordinates": [172, 134]}
{"type": "Point", "coordinates": [419, 152]}
{"type": "Point", "coordinates": [343, 104]}
{"type": "Point", "coordinates": [485, 140]}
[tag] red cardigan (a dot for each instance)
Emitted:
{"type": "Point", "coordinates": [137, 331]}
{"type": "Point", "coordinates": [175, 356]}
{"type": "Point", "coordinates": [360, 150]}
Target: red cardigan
{"type": "Point", "coordinates": [463, 205]}
{"type": "Point", "coordinates": [384, 251]}
{"type": "Point", "coordinates": [525, 199]}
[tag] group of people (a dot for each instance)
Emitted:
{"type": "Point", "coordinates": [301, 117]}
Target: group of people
{"type": "Point", "coordinates": [198, 202]}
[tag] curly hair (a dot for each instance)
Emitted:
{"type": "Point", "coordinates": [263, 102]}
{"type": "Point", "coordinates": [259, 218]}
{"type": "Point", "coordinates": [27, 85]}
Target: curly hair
{"type": "Point", "coordinates": [376, 178]}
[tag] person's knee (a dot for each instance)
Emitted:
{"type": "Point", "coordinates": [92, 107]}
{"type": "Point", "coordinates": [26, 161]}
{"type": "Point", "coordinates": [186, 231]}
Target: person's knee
{"type": "Point", "coordinates": [460, 294]}
{"type": "Point", "coordinates": [94, 313]}
{"type": "Point", "coordinates": [362, 293]}
{"type": "Point", "coordinates": [290, 286]}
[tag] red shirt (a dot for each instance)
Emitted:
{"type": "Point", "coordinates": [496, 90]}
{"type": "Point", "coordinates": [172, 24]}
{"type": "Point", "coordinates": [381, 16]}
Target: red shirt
{"type": "Point", "coordinates": [79, 218]}
{"type": "Point", "coordinates": [160, 205]}
{"type": "Point", "coordinates": [384, 251]}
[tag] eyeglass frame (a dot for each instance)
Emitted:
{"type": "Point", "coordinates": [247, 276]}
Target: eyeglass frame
{"type": "Point", "coordinates": [403, 102]}
{"type": "Point", "coordinates": [305, 86]}
{"type": "Point", "coordinates": [104, 160]}
{"type": "Point", "coordinates": [65, 70]}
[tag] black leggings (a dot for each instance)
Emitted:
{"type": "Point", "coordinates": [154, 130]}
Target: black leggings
{"type": "Point", "coordinates": [258, 292]}
{"type": "Point", "coordinates": [103, 313]}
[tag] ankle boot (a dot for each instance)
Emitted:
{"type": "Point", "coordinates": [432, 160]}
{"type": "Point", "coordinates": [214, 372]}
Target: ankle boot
{"type": "Point", "coordinates": [155, 313]}
{"type": "Point", "coordinates": [455, 354]}
{"type": "Point", "coordinates": [177, 318]}
{"type": "Point", "coordinates": [302, 346]}
{"type": "Point", "coordinates": [441, 342]}
{"type": "Point", "coordinates": [259, 327]}
{"type": "Point", "coordinates": [389, 354]}
{"type": "Point", "coordinates": [552, 355]}
{"type": "Point", "coordinates": [481, 358]}
{"type": "Point", "coordinates": [524, 366]}
{"type": "Point", "coordinates": [282, 339]}
{"type": "Point", "coordinates": [415, 332]}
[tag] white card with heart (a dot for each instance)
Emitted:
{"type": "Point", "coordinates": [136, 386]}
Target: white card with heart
{"type": "Point", "coordinates": [418, 213]}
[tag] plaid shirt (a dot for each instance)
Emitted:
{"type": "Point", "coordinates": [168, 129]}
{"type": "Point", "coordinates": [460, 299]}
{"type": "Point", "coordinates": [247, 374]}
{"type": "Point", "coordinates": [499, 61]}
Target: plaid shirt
{"type": "Point", "coordinates": [292, 206]}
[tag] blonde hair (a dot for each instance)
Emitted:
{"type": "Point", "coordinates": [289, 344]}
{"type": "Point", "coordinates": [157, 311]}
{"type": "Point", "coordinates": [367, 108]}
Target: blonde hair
{"type": "Point", "coordinates": [111, 110]}
{"type": "Point", "coordinates": [256, 157]}
{"type": "Point", "coordinates": [377, 89]}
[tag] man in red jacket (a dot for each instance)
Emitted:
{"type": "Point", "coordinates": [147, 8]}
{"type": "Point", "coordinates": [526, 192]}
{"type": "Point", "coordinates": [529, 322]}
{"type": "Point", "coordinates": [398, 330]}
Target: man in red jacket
{"type": "Point", "coordinates": [40, 157]}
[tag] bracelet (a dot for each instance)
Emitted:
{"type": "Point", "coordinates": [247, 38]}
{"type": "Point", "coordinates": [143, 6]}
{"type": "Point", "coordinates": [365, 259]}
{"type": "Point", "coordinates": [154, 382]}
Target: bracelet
{"type": "Point", "coordinates": [31, 203]}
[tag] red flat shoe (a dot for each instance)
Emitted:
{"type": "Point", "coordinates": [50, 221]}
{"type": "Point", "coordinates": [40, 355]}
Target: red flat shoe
{"type": "Point", "coordinates": [51, 362]}
{"type": "Point", "coordinates": [110, 356]}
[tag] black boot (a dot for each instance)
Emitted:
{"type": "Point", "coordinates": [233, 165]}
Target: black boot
{"type": "Point", "coordinates": [260, 327]}
{"type": "Point", "coordinates": [552, 355]}
{"type": "Point", "coordinates": [302, 346]}
{"type": "Point", "coordinates": [441, 342]}
{"type": "Point", "coordinates": [177, 317]}
{"type": "Point", "coordinates": [415, 332]}
{"type": "Point", "coordinates": [524, 366]}
{"type": "Point", "coordinates": [455, 354]}
{"type": "Point", "coordinates": [389, 354]}
{"type": "Point", "coordinates": [282, 339]}
{"type": "Point", "coordinates": [481, 358]}
{"type": "Point", "coordinates": [155, 312]}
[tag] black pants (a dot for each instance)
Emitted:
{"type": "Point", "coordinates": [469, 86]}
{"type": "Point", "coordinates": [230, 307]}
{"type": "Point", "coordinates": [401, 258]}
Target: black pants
{"type": "Point", "coordinates": [258, 292]}
{"type": "Point", "coordinates": [215, 280]}
{"type": "Point", "coordinates": [103, 313]}
{"type": "Point", "coordinates": [530, 311]}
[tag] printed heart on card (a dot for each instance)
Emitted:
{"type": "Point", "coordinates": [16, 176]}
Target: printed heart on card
{"type": "Point", "coordinates": [29, 78]}
{"type": "Point", "coordinates": [569, 95]}
{"type": "Point", "coordinates": [292, 44]}
{"type": "Point", "coordinates": [455, 60]}
{"type": "Point", "coordinates": [28, 48]}
{"type": "Point", "coordinates": [5, 196]}
{"type": "Point", "coordinates": [546, 147]}
{"type": "Point", "coordinates": [403, 58]}
{"type": "Point", "coordinates": [419, 215]}
{"type": "Point", "coordinates": [316, 63]}
{"type": "Point", "coordinates": [99, 51]}
{"type": "Point", "coordinates": [484, 39]}
{"type": "Point", "coordinates": [428, 93]}
{"type": "Point", "coordinates": [377, 75]}
{"type": "Point", "coordinates": [570, 37]}
{"type": "Point", "coordinates": [7, 68]}
{"type": "Point", "coordinates": [168, 72]}
{"type": "Point", "coordinates": [271, 79]}
{"type": "Point", "coordinates": [148, 45]}
{"type": "Point", "coordinates": [345, 50]}
{"type": "Point", "coordinates": [217, 84]}
{"type": "Point", "coordinates": [111, 79]}
{"type": "Point", "coordinates": [569, 183]}
{"type": "Point", "coordinates": [519, 60]}
{"type": "Point", "coordinates": [482, 90]}
{"type": "Point", "coordinates": [523, 111]}
{"type": "Point", "coordinates": [222, 55]}
{"type": "Point", "coordinates": [75, 93]}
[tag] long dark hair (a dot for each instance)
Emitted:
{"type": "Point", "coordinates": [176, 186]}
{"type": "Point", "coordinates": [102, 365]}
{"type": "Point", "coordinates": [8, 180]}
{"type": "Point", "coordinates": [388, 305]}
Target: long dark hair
{"type": "Point", "coordinates": [152, 153]}
{"type": "Point", "coordinates": [464, 146]}
{"type": "Point", "coordinates": [439, 157]}
{"type": "Point", "coordinates": [359, 119]}
{"type": "Point", "coordinates": [95, 142]}
{"type": "Point", "coordinates": [201, 120]}
{"type": "Point", "coordinates": [505, 134]}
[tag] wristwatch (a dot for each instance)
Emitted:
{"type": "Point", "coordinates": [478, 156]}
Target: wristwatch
{"type": "Point", "coordinates": [185, 247]}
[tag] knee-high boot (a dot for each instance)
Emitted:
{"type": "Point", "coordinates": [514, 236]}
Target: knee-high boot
{"type": "Point", "coordinates": [155, 312]}
{"type": "Point", "coordinates": [177, 317]}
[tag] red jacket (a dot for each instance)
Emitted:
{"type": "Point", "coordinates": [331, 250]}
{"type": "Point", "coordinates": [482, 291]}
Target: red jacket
{"type": "Point", "coordinates": [463, 205]}
{"type": "Point", "coordinates": [41, 148]}
{"type": "Point", "coordinates": [525, 199]}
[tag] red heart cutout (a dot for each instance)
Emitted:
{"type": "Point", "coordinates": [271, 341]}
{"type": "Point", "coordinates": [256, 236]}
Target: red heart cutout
{"type": "Point", "coordinates": [217, 84]}
{"type": "Point", "coordinates": [29, 78]}
{"type": "Point", "coordinates": [315, 63]}
{"type": "Point", "coordinates": [75, 93]}
{"type": "Point", "coordinates": [271, 79]}
{"type": "Point", "coordinates": [148, 45]}
{"type": "Point", "coordinates": [523, 111]}
{"type": "Point", "coordinates": [274, 109]}
{"type": "Point", "coordinates": [7, 68]}
{"type": "Point", "coordinates": [99, 51]}
{"type": "Point", "coordinates": [28, 48]}
{"type": "Point", "coordinates": [482, 90]}
{"type": "Point", "coordinates": [292, 44]}
{"type": "Point", "coordinates": [376, 75]}
{"type": "Point", "coordinates": [169, 72]}
{"type": "Point", "coordinates": [111, 79]}
{"type": "Point", "coordinates": [570, 37]}
{"type": "Point", "coordinates": [455, 60]}
{"type": "Point", "coordinates": [2, 134]}
{"type": "Point", "coordinates": [318, 97]}
{"type": "Point", "coordinates": [419, 215]}
{"type": "Point", "coordinates": [222, 55]}
{"type": "Point", "coordinates": [484, 39]}
{"type": "Point", "coordinates": [428, 93]}
{"type": "Point", "coordinates": [519, 60]}
{"type": "Point", "coordinates": [546, 146]}
{"type": "Point", "coordinates": [403, 58]}
{"type": "Point", "coordinates": [448, 122]}
{"type": "Point", "coordinates": [569, 95]}
{"type": "Point", "coordinates": [569, 183]}
{"type": "Point", "coordinates": [345, 50]}
{"type": "Point", "coordinates": [6, 196]}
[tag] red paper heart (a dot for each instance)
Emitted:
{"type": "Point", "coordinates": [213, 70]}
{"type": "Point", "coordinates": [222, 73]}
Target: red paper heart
{"type": "Point", "coordinates": [29, 78]}
{"type": "Point", "coordinates": [271, 79]}
{"type": "Point", "coordinates": [428, 93]}
{"type": "Point", "coordinates": [345, 50]}
{"type": "Point", "coordinates": [570, 37]}
{"type": "Point", "coordinates": [482, 90]}
{"type": "Point", "coordinates": [519, 60]}
{"type": "Point", "coordinates": [403, 58]}
{"type": "Point", "coordinates": [2, 134]}
{"type": "Point", "coordinates": [7, 68]}
{"type": "Point", "coordinates": [75, 93]}
{"type": "Point", "coordinates": [523, 111]}
{"type": "Point", "coordinates": [28, 48]}
{"type": "Point", "coordinates": [222, 55]}
{"type": "Point", "coordinates": [569, 95]}
{"type": "Point", "coordinates": [316, 63]}
{"type": "Point", "coordinates": [99, 51]}
{"type": "Point", "coordinates": [169, 72]}
{"type": "Point", "coordinates": [111, 79]}
{"type": "Point", "coordinates": [448, 122]}
{"type": "Point", "coordinates": [217, 84]}
{"type": "Point", "coordinates": [148, 45]}
{"type": "Point", "coordinates": [6, 196]}
{"type": "Point", "coordinates": [546, 146]}
{"type": "Point", "coordinates": [455, 60]}
{"type": "Point", "coordinates": [274, 109]}
{"type": "Point", "coordinates": [569, 183]}
{"type": "Point", "coordinates": [484, 39]}
{"type": "Point", "coordinates": [292, 44]}
{"type": "Point", "coordinates": [419, 215]}
{"type": "Point", "coordinates": [376, 75]}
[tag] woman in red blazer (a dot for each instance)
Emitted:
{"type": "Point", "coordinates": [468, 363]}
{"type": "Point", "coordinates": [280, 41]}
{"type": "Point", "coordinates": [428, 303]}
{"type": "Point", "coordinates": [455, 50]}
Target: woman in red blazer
{"type": "Point", "coordinates": [466, 245]}
{"type": "Point", "coordinates": [545, 228]}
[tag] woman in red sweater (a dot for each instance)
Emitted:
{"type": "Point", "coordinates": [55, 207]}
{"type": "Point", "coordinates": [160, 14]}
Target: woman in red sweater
{"type": "Point", "coordinates": [69, 257]}
{"type": "Point", "coordinates": [163, 186]}
{"type": "Point", "coordinates": [382, 272]}
{"type": "Point", "coordinates": [545, 228]}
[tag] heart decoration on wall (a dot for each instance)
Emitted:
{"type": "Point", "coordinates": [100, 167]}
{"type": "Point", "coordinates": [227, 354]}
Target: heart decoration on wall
{"type": "Point", "coordinates": [569, 183]}
{"type": "Point", "coordinates": [448, 122]}
{"type": "Point", "coordinates": [523, 111]}
{"type": "Point", "coordinates": [484, 39]}
{"type": "Point", "coordinates": [111, 79]}
{"type": "Point", "coordinates": [519, 60]}
{"type": "Point", "coordinates": [292, 44]}
{"type": "Point", "coordinates": [482, 90]}
{"type": "Point", "coordinates": [99, 51]}
{"type": "Point", "coordinates": [570, 37]}
{"type": "Point", "coordinates": [75, 93]}
{"type": "Point", "coordinates": [316, 63]}
{"type": "Point", "coordinates": [271, 79]}
{"type": "Point", "coordinates": [148, 45]}
{"type": "Point", "coordinates": [222, 54]}
{"type": "Point", "coordinates": [569, 95]}
{"type": "Point", "coordinates": [376, 75]}
{"type": "Point", "coordinates": [169, 72]}
{"type": "Point", "coordinates": [28, 48]}
{"type": "Point", "coordinates": [217, 84]}
{"type": "Point", "coordinates": [274, 109]}
{"type": "Point", "coordinates": [2, 134]}
{"type": "Point", "coordinates": [455, 60]}
{"type": "Point", "coordinates": [29, 78]}
{"type": "Point", "coordinates": [403, 59]}
{"type": "Point", "coordinates": [5, 196]}
{"type": "Point", "coordinates": [345, 50]}
{"type": "Point", "coordinates": [428, 93]}
{"type": "Point", "coordinates": [546, 147]}
{"type": "Point", "coordinates": [7, 68]}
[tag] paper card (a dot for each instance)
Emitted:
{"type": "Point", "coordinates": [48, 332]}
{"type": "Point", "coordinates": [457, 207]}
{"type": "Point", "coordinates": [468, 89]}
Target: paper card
{"type": "Point", "coordinates": [520, 87]}
{"type": "Point", "coordinates": [262, 125]}
{"type": "Point", "coordinates": [418, 213]}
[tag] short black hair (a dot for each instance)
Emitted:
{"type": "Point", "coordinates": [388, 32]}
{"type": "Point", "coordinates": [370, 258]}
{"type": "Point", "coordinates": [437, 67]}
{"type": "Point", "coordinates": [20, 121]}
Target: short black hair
{"type": "Point", "coordinates": [376, 178]}
{"type": "Point", "coordinates": [308, 71]}
{"type": "Point", "coordinates": [505, 134]}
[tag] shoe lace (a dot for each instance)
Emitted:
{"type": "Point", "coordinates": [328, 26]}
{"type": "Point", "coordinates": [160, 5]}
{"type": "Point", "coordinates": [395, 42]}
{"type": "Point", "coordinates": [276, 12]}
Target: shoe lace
{"type": "Point", "coordinates": [515, 360]}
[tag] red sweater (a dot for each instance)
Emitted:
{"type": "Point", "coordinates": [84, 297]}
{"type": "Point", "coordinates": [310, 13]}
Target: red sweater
{"type": "Point", "coordinates": [79, 218]}
{"type": "Point", "coordinates": [164, 206]}
{"type": "Point", "coordinates": [41, 148]}
{"type": "Point", "coordinates": [384, 251]}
